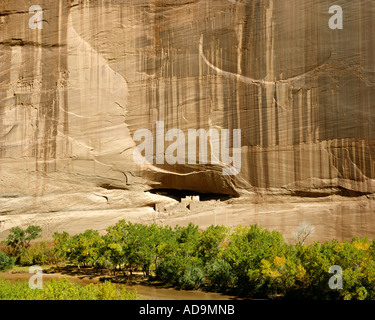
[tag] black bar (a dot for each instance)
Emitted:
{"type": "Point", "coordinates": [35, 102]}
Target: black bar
{"type": "Point", "coordinates": [183, 309]}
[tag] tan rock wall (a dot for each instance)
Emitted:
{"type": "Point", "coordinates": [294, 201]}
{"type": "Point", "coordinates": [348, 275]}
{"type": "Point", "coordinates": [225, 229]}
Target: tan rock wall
{"type": "Point", "coordinates": [73, 94]}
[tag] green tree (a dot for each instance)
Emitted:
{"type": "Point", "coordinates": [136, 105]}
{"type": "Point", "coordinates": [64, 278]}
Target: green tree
{"type": "Point", "coordinates": [179, 256]}
{"type": "Point", "coordinates": [19, 239]}
{"type": "Point", "coordinates": [316, 261]}
{"type": "Point", "coordinates": [165, 244]}
{"type": "Point", "coordinates": [139, 250]}
{"type": "Point", "coordinates": [115, 243]}
{"type": "Point", "coordinates": [247, 247]}
{"type": "Point", "coordinates": [281, 274]}
{"type": "Point", "coordinates": [151, 237]}
{"type": "Point", "coordinates": [61, 245]}
{"type": "Point", "coordinates": [85, 248]}
{"type": "Point", "coordinates": [133, 244]}
{"type": "Point", "coordinates": [211, 244]}
{"type": "Point", "coordinates": [187, 238]}
{"type": "Point", "coordinates": [355, 259]}
{"type": "Point", "coordinates": [122, 243]}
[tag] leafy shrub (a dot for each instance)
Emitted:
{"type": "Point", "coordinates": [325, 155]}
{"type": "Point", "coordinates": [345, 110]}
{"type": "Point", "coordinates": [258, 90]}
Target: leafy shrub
{"type": "Point", "coordinates": [170, 270]}
{"type": "Point", "coordinates": [6, 262]}
{"type": "Point", "coordinates": [192, 278]}
{"type": "Point", "coordinates": [37, 254]}
{"type": "Point", "coordinates": [25, 258]}
{"type": "Point", "coordinates": [219, 274]}
{"type": "Point", "coordinates": [280, 275]}
{"type": "Point", "coordinates": [65, 290]}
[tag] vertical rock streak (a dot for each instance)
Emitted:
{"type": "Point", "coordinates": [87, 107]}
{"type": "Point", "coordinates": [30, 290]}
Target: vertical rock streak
{"type": "Point", "coordinates": [300, 92]}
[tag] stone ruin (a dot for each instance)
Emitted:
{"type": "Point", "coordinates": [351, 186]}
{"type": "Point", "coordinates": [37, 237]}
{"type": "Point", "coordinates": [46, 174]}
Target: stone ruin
{"type": "Point", "coordinates": [187, 204]}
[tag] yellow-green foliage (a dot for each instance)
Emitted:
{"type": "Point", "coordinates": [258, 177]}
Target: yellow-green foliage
{"type": "Point", "coordinates": [249, 261]}
{"type": "Point", "coordinates": [65, 290]}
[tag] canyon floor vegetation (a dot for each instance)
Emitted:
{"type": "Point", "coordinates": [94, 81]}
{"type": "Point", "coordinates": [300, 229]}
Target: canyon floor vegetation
{"type": "Point", "coordinates": [249, 262]}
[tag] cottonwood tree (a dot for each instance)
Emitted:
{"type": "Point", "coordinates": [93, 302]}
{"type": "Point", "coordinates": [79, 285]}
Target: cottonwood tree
{"type": "Point", "coordinates": [19, 239]}
{"type": "Point", "coordinates": [303, 231]}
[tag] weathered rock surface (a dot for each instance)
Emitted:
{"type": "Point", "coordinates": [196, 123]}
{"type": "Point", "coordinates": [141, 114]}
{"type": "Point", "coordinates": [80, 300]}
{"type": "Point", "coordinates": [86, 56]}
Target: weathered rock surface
{"type": "Point", "coordinates": [73, 94]}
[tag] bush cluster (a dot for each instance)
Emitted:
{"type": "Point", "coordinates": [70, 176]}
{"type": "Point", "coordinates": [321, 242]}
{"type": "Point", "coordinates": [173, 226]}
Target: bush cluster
{"type": "Point", "coordinates": [63, 289]}
{"type": "Point", "coordinates": [6, 262]}
{"type": "Point", "coordinates": [37, 254]}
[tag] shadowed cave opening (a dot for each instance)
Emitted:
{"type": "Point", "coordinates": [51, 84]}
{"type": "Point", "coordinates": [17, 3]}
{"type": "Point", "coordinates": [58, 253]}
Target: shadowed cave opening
{"type": "Point", "coordinates": [339, 191]}
{"type": "Point", "coordinates": [180, 194]}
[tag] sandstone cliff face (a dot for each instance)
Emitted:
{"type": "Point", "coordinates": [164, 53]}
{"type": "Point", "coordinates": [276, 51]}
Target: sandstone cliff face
{"type": "Point", "coordinates": [74, 93]}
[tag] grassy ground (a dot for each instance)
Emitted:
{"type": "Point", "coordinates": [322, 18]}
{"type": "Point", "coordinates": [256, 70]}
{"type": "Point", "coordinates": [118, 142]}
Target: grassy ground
{"type": "Point", "coordinates": [136, 283]}
{"type": "Point", "coordinates": [63, 289]}
{"type": "Point", "coordinates": [14, 285]}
